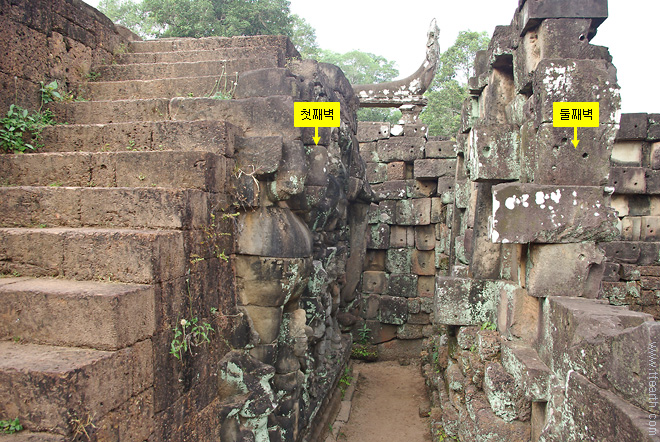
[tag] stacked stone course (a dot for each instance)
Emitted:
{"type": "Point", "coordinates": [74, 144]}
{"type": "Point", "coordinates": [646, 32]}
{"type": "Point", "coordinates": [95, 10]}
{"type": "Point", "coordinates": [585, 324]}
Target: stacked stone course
{"type": "Point", "coordinates": [527, 351]}
{"type": "Point", "coordinates": [159, 207]}
{"type": "Point", "coordinates": [408, 236]}
{"type": "Point", "coordinates": [632, 270]}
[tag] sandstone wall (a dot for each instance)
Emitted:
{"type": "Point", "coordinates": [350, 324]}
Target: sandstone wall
{"type": "Point", "coordinates": [408, 240]}
{"type": "Point", "coordinates": [182, 207]}
{"type": "Point", "coordinates": [632, 270]}
{"type": "Point", "coordinates": [45, 40]}
{"type": "Point", "coordinates": [526, 350]}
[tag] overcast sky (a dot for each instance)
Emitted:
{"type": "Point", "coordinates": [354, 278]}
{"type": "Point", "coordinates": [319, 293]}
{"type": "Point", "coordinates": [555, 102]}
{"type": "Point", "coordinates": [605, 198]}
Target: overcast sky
{"type": "Point", "coordinates": [397, 31]}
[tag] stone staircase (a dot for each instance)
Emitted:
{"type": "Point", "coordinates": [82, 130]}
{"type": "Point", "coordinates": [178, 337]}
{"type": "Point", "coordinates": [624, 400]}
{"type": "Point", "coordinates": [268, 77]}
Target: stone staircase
{"type": "Point", "coordinates": [109, 233]}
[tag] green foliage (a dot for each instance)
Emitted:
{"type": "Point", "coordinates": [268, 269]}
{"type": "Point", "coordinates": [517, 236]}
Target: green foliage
{"type": "Point", "coordinates": [361, 67]}
{"type": "Point", "coordinates": [189, 333]}
{"type": "Point", "coordinates": [49, 92]}
{"type": "Point", "coordinates": [364, 68]}
{"type": "Point", "coordinates": [303, 36]}
{"type": "Point", "coordinates": [364, 333]}
{"type": "Point", "coordinates": [364, 353]}
{"type": "Point", "coordinates": [345, 381]}
{"type": "Point", "coordinates": [10, 426]}
{"type": "Point", "coordinates": [488, 326]}
{"type": "Point", "coordinates": [441, 436]}
{"type": "Point", "coordinates": [201, 18]}
{"type": "Point", "coordinates": [21, 130]}
{"type": "Point", "coordinates": [448, 90]}
{"type": "Point", "coordinates": [224, 87]}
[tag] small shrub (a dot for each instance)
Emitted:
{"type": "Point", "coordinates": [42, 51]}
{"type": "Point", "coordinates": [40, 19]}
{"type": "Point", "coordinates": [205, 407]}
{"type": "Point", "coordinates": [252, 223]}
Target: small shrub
{"type": "Point", "coordinates": [10, 426]}
{"type": "Point", "coordinates": [188, 334]}
{"type": "Point", "coordinates": [20, 130]}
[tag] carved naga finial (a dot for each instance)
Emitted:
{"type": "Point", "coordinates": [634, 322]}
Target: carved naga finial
{"type": "Point", "coordinates": [408, 90]}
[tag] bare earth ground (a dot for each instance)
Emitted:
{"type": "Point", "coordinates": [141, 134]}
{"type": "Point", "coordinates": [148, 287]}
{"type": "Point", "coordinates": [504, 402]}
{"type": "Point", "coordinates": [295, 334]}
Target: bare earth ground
{"type": "Point", "coordinates": [386, 405]}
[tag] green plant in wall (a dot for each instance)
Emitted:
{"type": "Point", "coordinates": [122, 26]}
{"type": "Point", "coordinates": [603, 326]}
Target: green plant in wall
{"type": "Point", "coordinates": [488, 326]}
{"type": "Point", "coordinates": [224, 87]}
{"type": "Point", "coordinates": [345, 381]}
{"type": "Point", "coordinates": [10, 426]}
{"type": "Point", "coordinates": [190, 331]}
{"type": "Point", "coordinates": [20, 130]}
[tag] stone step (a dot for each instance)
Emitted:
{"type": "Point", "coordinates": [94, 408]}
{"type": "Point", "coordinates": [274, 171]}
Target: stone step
{"type": "Point", "coordinates": [609, 345]}
{"type": "Point", "coordinates": [212, 43]}
{"type": "Point", "coordinates": [256, 116]}
{"type": "Point", "coordinates": [211, 136]}
{"type": "Point", "coordinates": [207, 86]}
{"type": "Point", "coordinates": [105, 112]}
{"type": "Point", "coordinates": [169, 169]}
{"type": "Point", "coordinates": [28, 436]}
{"type": "Point", "coordinates": [152, 71]}
{"type": "Point", "coordinates": [530, 373]}
{"type": "Point", "coordinates": [139, 208]}
{"type": "Point", "coordinates": [76, 313]}
{"type": "Point", "coordinates": [49, 386]}
{"type": "Point", "coordinates": [275, 54]}
{"type": "Point", "coordinates": [114, 255]}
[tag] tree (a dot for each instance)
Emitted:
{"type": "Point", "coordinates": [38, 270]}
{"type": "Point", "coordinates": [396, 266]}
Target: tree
{"type": "Point", "coordinates": [303, 37]}
{"type": "Point", "coordinates": [449, 87]}
{"type": "Point", "coordinates": [364, 68]}
{"type": "Point", "coordinates": [201, 18]}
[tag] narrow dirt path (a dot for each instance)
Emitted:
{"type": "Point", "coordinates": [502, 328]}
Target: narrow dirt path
{"type": "Point", "coordinates": [386, 405]}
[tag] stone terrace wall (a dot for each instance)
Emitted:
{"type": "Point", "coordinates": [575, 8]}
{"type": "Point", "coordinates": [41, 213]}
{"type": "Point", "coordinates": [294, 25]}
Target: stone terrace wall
{"type": "Point", "coordinates": [632, 273]}
{"type": "Point", "coordinates": [44, 40]}
{"type": "Point", "coordinates": [526, 351]}
{"type": "Point", "coordinates": [216, 209]}
{"type": "Point", "coordinates": [408, 238]}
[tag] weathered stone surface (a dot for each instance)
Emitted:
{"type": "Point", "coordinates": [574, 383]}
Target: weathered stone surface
{"type": "Point", "coordinates": [401, 149]}
{"type": "Point", "coordinates": [399, 260]}
{"type": "Point", "coordinates": [535, 11]}
{"type": "Point", "coordinates": [628, 179]}
{"type": "Point", "coordinates": [402, 285]}
{"type": "Point", "coordinates": [494, 153]}
{"type": "Point", "coordinates": [393, 310]}
{"type": "Point", "coordinates": [374, 282]}
{"type": "Point", "coordinates": [105, 380]}
{"type": "Point", "coordinates": [425, 237]}
{"type": "Point", "coordinates": [376, 172]}
{"type": "Point", "coordinates": [273, 232]}
{"type": "Point", "coordinates": [372, 131]}
{"type": "Point", "coordinates": [413, 212]}
{"type": "Point", "coordinates": [596, 414]}
{"type": "Point", "coordinates": [462, 301]}
{"type": "Point", "coordinates": [258, 155]}
{"type": "Point", "coordinates": [391, 190]}
{"type": "Point", "coordinates": [270, 282]}
{"type": "Point", "coordinates": [527, 369]}
{"type": "Point", "coordinates": [526, 213]}
{"type": "Point", "coordinates": [627, 153]}
{"type": "Point", "coordinates": [423, 262]}
{"type": "Point", "coordinates": [440, 149]}
{"type": "Point", "coordinates": [549, 157]}
{"type": "Point", "coordinates": [633, 127]}
{"type": "Point", "coordinates": [596, 340]}
{"type": "Point", "coordinates": [434, 168]}
{"type": "Point", "coordinates": [60, 312]}
{"type": "Point", "coordinates": [378, 236]}
{"type": "Point", "coordinates": [506, 399]}
{"type": "Point", "coordinates": [576, 80]}
{"type": "Point", "coordinates": [402, 236]}
{"type": "Point", "coordinates": [577, 262]}
{"type": "Point", "coordinates": [421, 188]}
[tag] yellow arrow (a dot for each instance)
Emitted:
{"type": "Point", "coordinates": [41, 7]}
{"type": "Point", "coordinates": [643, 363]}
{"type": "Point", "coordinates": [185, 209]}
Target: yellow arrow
{"type": "Point", "coordinates": [575, 141]}
{"type": "Point", "coordinates": [316, 135]}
